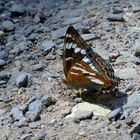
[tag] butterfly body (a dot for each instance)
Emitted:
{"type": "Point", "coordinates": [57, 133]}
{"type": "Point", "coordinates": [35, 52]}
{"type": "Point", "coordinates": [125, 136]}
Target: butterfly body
{"type": "Point", "coordinates": [83, 67]}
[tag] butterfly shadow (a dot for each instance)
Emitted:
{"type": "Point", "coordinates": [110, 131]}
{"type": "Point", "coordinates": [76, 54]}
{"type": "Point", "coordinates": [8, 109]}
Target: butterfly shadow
{"type": "Point", "coordinates": [110, 100]}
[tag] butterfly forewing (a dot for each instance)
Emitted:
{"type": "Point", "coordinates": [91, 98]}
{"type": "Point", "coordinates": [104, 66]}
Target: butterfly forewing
{"type": "Point", "coordinates": [82, 66]}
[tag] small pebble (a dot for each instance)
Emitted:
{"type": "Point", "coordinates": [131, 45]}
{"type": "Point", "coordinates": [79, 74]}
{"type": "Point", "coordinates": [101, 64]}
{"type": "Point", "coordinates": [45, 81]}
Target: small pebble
{"type": "Point", "coordinates": [22, 80]}
{"type": "Point", "coordinates": [115, 113]}
{"type": "Point", "coordinates": [37, 67]}
{"type": "Point", "coordinates": [47, 46]}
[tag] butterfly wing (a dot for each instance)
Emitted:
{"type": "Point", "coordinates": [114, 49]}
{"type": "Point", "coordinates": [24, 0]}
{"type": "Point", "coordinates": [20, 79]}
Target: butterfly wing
{"type": "Point", "coordinates": [82, 66]}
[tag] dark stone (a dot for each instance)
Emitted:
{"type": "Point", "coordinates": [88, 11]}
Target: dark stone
{"type": "Point", "coordinates": [4, 75]}
{"type": "Point", "coordinates": [135, 128]}
{"type": "Point", "coordinates": [22, 80]}
{"type": "Point", "coordinates": [4, 54]}
{"type": "Point", "coordinates": [48, 100]}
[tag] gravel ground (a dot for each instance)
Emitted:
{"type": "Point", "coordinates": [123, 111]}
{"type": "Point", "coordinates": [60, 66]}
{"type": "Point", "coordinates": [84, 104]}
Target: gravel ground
{"type": "Point", "coordinates": [34, 102]}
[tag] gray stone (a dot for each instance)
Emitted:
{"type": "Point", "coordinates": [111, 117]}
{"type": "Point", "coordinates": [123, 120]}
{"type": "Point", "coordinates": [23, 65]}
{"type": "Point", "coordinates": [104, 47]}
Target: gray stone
{"type": "Point", "coordinates": [2, 62]}
{"type": "Point", "coordinates": [108, 27]}
{"type": "Point", "coordinates": [137, 51]}
{"type": "Point", "coordinates": [34, 125]}
{"type": "Point", "coordinates": [47, 46]}
{"type": "Point", "coordinates": [16, 113]}
{"type": "Point", "coordinates": [99, 110]}
{"type": "Point", "coordinates": [33, 36]}
{"type": "Point", "coordinates": [37, 67]}
{"type": "Point", "coordinates": [28, 31]}
{"type": "Point", "coordinates": [115, 17]}
{"type": "Point", "coordinates": [89, 37]}
{"type": "Point", "coordinates": [136, 8]}
{"type": "Point", "coordinates": [48, 100]}
{"type": "Point", "coordinates": [135, 128]}
{"type": "Point", "coordinates": [4, 54]}
{"type": "Point", "coordinates": [134, 99]}
{"type": "Point", "coordinates": [115, 113]}
{"type": "Point", "coordinates": [22, 46]}
{"type": "Point", "coordinates": [36, 106]}
{"type": "Point", "coordinates": [8, 25]}
{"type": "Point", "coordinates": [22, 122]}
{"type": "Point", "coordinates": [22, 80]}
{"type": "Point", "coordinates": [127, 73]}
{"type": "Point", "coordinates": [59, 33]}
{"type": "Point", "coordinates": [17, 9]}
{"type": "Point", "coordinates": [35, 109]}
{"type": "Point", "coordinates": [26, 136]}
{"type": "Point", "coordinates": [2, 82]}
{"type": "Point", "coordinates": [81, 115]}
{"type": "Point", "coordinates": [4, 75]}
{"type": "Point", "coordinates": [41, 134]}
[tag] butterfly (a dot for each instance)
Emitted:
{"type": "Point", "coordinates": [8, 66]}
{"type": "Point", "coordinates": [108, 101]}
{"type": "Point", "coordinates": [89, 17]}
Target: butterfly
{"type": "Point", "coordinates": [83, 67]}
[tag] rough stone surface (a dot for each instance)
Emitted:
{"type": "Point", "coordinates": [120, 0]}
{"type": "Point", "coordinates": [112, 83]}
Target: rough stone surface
{"type": "Point", "coordinates": [32, 37]}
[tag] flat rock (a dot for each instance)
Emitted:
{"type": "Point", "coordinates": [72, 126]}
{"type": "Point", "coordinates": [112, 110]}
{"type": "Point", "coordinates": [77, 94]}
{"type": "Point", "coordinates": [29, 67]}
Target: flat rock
{"type": "Point", "coordinates": [17, 9]}
{"type": "Point", "coordinates": [70, 21]}
{"type": "Point", "coordinates": [83, 114]}
{"type": "Point", "coordinates": [127, 73]}
{"type": "Point", "coordinates": [22, 80]}
{"type": "Point", "coordinates": [37, 67]}
{"type": "Point", "coordinates": [59, 33]}
{"type": "Point", "coordinates": [94, 108]}
{"type": "Point", "coordinates": [134, 99]}
{"type": "Point", "coordinates": [8, 25]}
{"type": "Point", "coordinates": [47, 46]}
{"type": "Point", "coordinates": [89, 37]}
{"type": "Point", "coordinates": [115, 17]}
{"type": "Point", "coordinates": [136, 8]}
